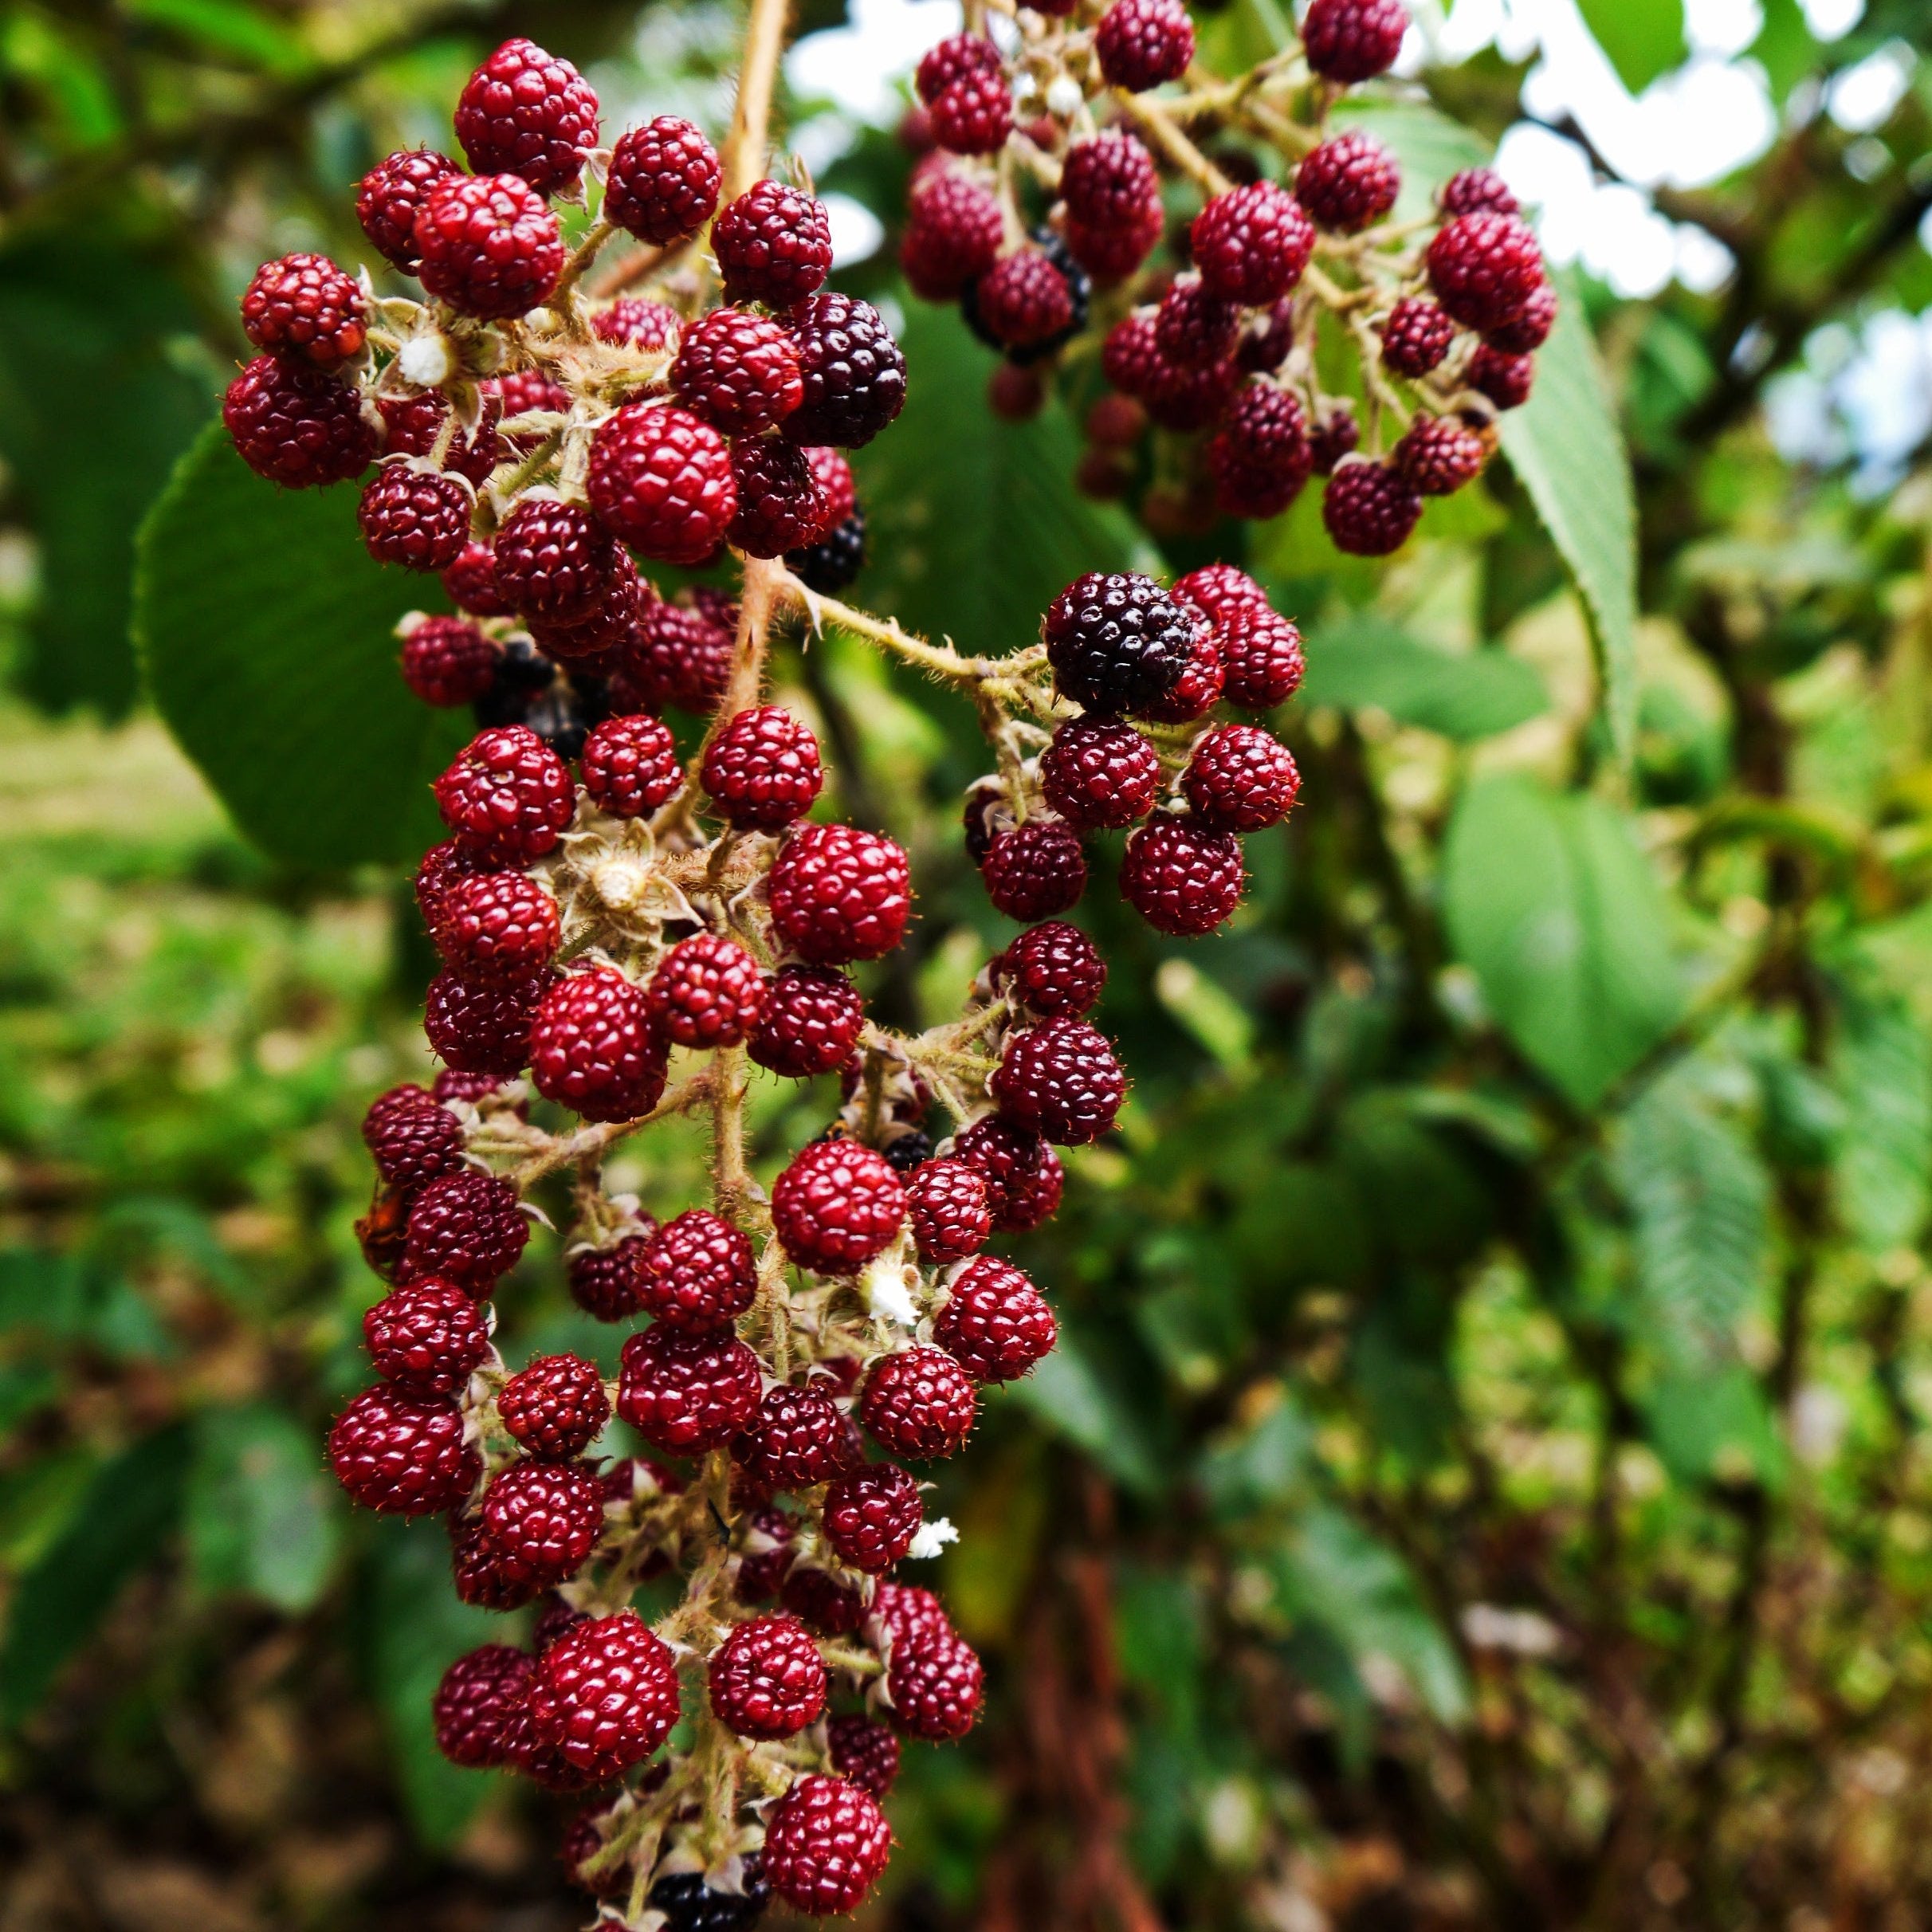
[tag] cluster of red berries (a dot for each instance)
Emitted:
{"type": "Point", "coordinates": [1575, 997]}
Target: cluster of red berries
{"type": "Point", "coordinates": [1045, 226]}
{"type": "Point", "coordinates": [533, 442]}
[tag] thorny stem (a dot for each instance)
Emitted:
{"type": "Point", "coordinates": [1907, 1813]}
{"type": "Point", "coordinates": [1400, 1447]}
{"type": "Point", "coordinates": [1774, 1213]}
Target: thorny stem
{"type": "Point", "coordinates": [592, 1143]}
{"type": "Point", "coordinates": [745, 146]}
{"type": "Point", "coordinates": [1154, 119]}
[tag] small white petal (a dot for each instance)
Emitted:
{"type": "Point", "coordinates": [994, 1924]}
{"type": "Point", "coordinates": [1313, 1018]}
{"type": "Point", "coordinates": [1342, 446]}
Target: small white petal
{"type": "Point", "coordinates": [932, 1537]}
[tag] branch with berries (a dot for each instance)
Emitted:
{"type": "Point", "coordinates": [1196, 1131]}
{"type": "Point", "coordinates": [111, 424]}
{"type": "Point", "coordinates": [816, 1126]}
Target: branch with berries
{"type": "Point", "coordinates": [1039, 209]}
{"type": "Point", "coordinates": [627, 935]}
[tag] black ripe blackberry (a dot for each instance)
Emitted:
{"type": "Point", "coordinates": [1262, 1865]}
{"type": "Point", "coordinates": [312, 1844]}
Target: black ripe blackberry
{"type": "Point", "coordinates": [831, 565]}
{"type": "Point", "coordinates": [1116, 641]}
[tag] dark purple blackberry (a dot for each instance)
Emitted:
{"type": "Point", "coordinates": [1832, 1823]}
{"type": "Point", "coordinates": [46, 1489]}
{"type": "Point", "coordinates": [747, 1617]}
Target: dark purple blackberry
{"type": "Point", "coordinates": [1116, 641]}
{"type": "Point", "coordinates": [831, 565]}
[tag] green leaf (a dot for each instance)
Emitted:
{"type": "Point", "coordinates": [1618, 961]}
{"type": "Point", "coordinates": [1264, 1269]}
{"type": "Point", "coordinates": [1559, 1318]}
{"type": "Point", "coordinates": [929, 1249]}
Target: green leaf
{"type": "Point", "coordinates": [1783, 47]}
{"type": "Point", "coordinates": [1882, 1065]}
{"type": "Point", "coordinates": [228, 27]}
{"type": "Point", "coordinates": [260, 1517]}
{"type": "Point", "coordinates": [1072, 1394]}
{"type": "Point", "coordinates": [1364, 660]}
{"type": "Point", "coordinates": [1262, 1465]}
{"type": "Point", "coordinates": [1643, 38]}
{"type": "Point", "coordinates": [1706, 1425]}
{"type": "Point", "coordinates": [1699, 1199]}
{"type": "Point", "coordinates": [1549, 900]}
{"type": "Point", "coordinates": [268, 636]}
{"type": "Point", "coordinates": [1564, 446]}
{"type": "Point", "coordinates": [974, 525]}
{"type": "Point", "coordinates": [127, 1512]}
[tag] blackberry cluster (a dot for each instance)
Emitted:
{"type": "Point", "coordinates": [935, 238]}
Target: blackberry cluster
{"type": "Point", "coordinates": [1039, 198]}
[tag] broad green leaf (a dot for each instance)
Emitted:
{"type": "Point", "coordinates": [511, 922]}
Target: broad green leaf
{"type": "Point", "coordinates": [974, 525]}
{"type": "Point", "coordinates": [268, 636]}
{"type": "Point", "coordinates": [1262, 1465]}
{"type": "Point", "coordinates": [127, 1513]}
{"type": "Point", "coordinates": [1699, 1200]}
{"type": "Point", "coordinates": [1564, 446]}
{"type": "Point", "coordinates": [1783, 47]}
{"type": "Point", "coordinates": [1364, 660]}
{"type": "Point", "coordinates": [260, 1517]}
{"type": "Point", "coordinates": [1882, 1064]}
{"type": "Point", "coordinates": [1549, 900]}
{"type": "Point", "coordinates": [1643, 38]}
{"type": "Point", "coordinates": [1208, 1011]}
{"type": "Point", "coordinates": [1071, 1393]}
{"type": "Point", "coordinates": [1706, 1424]}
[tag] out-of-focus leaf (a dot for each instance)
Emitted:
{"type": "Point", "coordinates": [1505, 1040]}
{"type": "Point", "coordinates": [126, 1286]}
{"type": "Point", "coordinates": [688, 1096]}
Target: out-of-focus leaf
{"type": "Point", "coordinates": [1564, 446]}
{"type": "Point", "coordinates": [1699, 1199]}
{"type": "Point", "coordinates": [1261, 1466]}
{"type": "Point", "coordinates": [1218, 1021]}
{"type": "Point", "coordinates": [1072, 1393]}
{"type": "Point", "coordinates": [268, 636]}
{"type": "Point", "coordinates": [1708, 1424]}
{"type": "Point", "coordinates": [24, 1388]}
{"type": "Point", "coordinates": [71, 1299]}
{"type": "Point", "coordinates": [260, 1517]}
{"type": "Point", "coordinates": [1550, 902]}
{"type": "Point", "coordinates": [1643, 38]}
{"type": "Point", "coordinates": [228, 27]}
{"type": "Point", "coordinates": [1364, 660]}
{"type": "Point", "coordinates": [1783, 47]}
{"type": "Point", "coordinates": [127, 1512]}
{"type": "Point", "coordinates": [35, 48]}
{"type": "Point", "coordinates": [1882, 1064]}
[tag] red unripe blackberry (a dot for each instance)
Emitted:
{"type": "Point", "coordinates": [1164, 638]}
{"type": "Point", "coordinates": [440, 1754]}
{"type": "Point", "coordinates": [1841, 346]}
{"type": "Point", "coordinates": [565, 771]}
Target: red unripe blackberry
{"type": "Point", "coordinates": [1023, 1175]}
{"type": "Point", "coordinates": [1193, 328]}
{"type": "Point", "coordinates": [919, 1403]}
{"type": "Point", "coordinates": [1185, 399]}
{"type": "Point", "coordinates": [1266, 339]}
{"type": "Point", "coordinates": [556, 1406]}
{"type": "Point", "coordinates": [936, 1689]}
{"type": "Point", "coordinates": [1098, 771]}
{"type": "Point", "coordinates": [798, 1438]}
{"type": "Point", "coordinates": [582, 1842]}
{"type": "Point", "coordinates": [400, 1455]}
{"type": "Point", "coordinates": [1180, 878]}
{"type": "Point", "coordinates": [466, 1227]}
{"type": "Point", "coordinates": [768, 1555]}
{"type": "Point", "coordinates": [1105, 475]}
{"type": "Point", "coordinates": [527, 113]}
{"type": "Point", "coordinates": [305, 307]}
{"type": "Point", "coordinates": [834, 477]}
{"type": "Point", "coordinates": [687, 1393]}
{"type": "Point", "coordinates": [391, 196]}
{"type": "Point", "coordinates": [1142, 43]}
{"type": "Point", "coordinates": [499, 926]}
{"type": "Point", "coordinates": [1060, 1079]}
{"type": "Point", "coordinates": [1219, 590]}
{"type": "Point", "coordinates": [1051, 969]}
{"type": "Point", "coordinates": [1348, 183]}
{"type": "Point", "coordinates": [411, 1139]}
{"type": "Point", "coordinates": [1529, 329]}
{"type": "Point", "coordinates": [605, 1281]}
{"type": "Point", "coordinates": [471, 581]}
{"type": "Point", "coordinates": [996, 1324]}
{"type": "Point", "coordinates": [483, 1026]}
{"type": "Point", "coordinates": [853, 372]}
{"type": "Point", "coordinates": [1023, 300]}
{"type": "Point", "coordinates": [824, 1846]}
{"type": "Point", "coordinates": [780, 506]}
{"type": "Point", "coordinates": [1034, 871]}
{"type": "Point", "coordinates": [555, 560]}
{"type": "Point", "coordinates": [811, 1021]}
{"type": "Point", "coordinates": [489, 246]}
{"type": "Point", "coordinates": [864, 1753]}
{"type": "Point", "coordinates": [604, 632]}
{"type": "Point", "coordinates": [1439, 454]}
{"type": "Point", "coordinates": [414, 517]}
{"type": "Point", "coordinates": [1200, 686]}
{"type": "Point", "coordinates": [903, 1614]}
{"type": "Point", "coordinates": [872, 1516]}
{"type": "Point", "coordinates": [1241, 490]}
{"type": "Point", "coordinates": [707, 991]}
{"type": "Point", "coordinates": [1252, 244]}
{"type": "Point", "coordinates": [827, 1607]}
{"type": "Point", "coordinates": [836, 1206]}
{"type": "Point", "coordinates": [1368, 509]}
{"type": "Point", "coordinates": [634, 323]}
{"type": "Point", "coordinates": [939, 66]}
{"type": "Point", "coordinates": [453, 1085]}
{"type": "Point", "coordinates": [593, 1046]}
{"type": "Point", "coordinates": [952, 235]}
{"type": "Point", "coordinates": [1115, 422]}
{"type": "Point", "coordinates": [297, 425]}
{"type": "Point", "coordinates": [507, 795]}
{"type": "Point", "coordinates": [1505, 380]}
{"type": "Point", "coordinates": [1265, 430]}
{"type": "Point", "coordinates": [1116, 641]}
{"type": "Point", "coordinates": [663, 482]}
{"type": "Point", "coordinates": [474, 1702]}
{"type": "Point", "coordinates": [762, 771]}
{"type": "Point", "coordinates": [946, 1201]}
{"type": "Point", "coordinates": [605, 1694]}
{"type": "Point", "coordinates": [1354, 40]}
{"type": "Point", "coordinates": [1014, 394]}
{"type": "Point", "coordinates": [631, 767]}
{"type": "Point", "coordinates": [767, 1678]}
{"type": "Point", "coordinates": [522, 392]}
{"type": "Point", "coordinates": [1112, 254]}
{"type": "Point", "coordinates": [544, 1519]}
{"type": "Point", "coordinates": [664, 181]}
{"type": "Point", "coordinates": [773, 244]}
{"type": "Point", "coordinates": [1476, 190]}
{"type": "Point", "coordinates": [484, 1576]}
{"type": "Point", "coordinates": [963, 83]}
{"type": "Point", "coordinates": [696, 1272]}
{"type": "Point", "coordinates": [736, 371]}
{"type": "Point", "coordinates": [1109, 182]}
{"type": "Point", "coordinates": [1241, 778]}
{"type": "Point", "coordinates": [839, 895]}
{"type": "Point", "coordinates": [1484, 268]}
{"type": "Point", "coordinates": [427, 1337]}
{"type": "Point", "coordinates": [678, 656]}
{"type": "Point", "coordinates": [1416, 337]}
{"type": "Point", "coordinates": [442, 867]}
